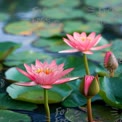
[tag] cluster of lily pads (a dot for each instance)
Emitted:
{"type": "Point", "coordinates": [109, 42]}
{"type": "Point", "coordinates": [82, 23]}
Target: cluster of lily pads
{"type": "Point", "coordinates": [50, 30]}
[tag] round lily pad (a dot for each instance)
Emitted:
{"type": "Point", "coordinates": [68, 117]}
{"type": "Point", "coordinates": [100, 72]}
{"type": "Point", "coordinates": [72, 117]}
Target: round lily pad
{"type": "Point", "coordinates": [51, 44]}
{"type": "Point", "coordinates": [9, 116]}
{"type": "Point", "coordinates": [102, 3]}
{"type": "Point", "coordinates": [7, 103]}
{"type": "Point", "coordinates": [16, 59]}
{"type": "Point", "coordinates": [60, 3]}
{"type": "Point", "coordinates": [36, 94]}
{"type": "Point", "coordinates": [3, 16]}
{"type": "Point", "coordinates": [111, 89]}
{"type": "Point", "coordinates": [62, 13]}
{"type": "Point", "coordinates": [78, 26]}
{"type": "Point", "coordinates": [40, 28]}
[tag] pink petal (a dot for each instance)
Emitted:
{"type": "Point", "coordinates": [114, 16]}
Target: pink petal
{"type": "Point", "coordinates": [107, 56]}
{"type": "Point", "coordinates": [46, 86]}
{"type": "Point", "coordinates": [101, 47]}
{"type": "Point", "coordinates": [25, 73]}
{"type": "Point", "coordinates": [69, 51]}
{"type": "Point", "coordinates": [83, 34]}
{"type": "Point", "coordinates": [92, 35]}
{"type": "Point", "coordinates": [26, 83]}
{"type": "Point", "coordinates": [28, 68]}
{"type": "Point", "coordinates": [87, 52]}
{"type": "Point", "coordinates": [68, 42]}
{"type": "Point", "coordinates": [63, 80]}
{"type": "Point", "coordinates": [88, 81]}
{"type": "Point", "coordinates": [38, 63]}
{"type": "Point", "coordinates": [77, 36]}
{"type": "Point", "coordinates": [96, 40]}
{"type": "Point", "coordinates": [65, 72]}
{"type": "Point", "coordinates": [71, 38]}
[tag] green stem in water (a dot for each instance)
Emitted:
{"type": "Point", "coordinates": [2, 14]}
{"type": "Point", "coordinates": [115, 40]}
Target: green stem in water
{"type": "Point", "coordinates": [86, 64]}
{"type": "Point", "coordinates": [89, 110]}
{"type": "Point", "coordinates": [46, 105]}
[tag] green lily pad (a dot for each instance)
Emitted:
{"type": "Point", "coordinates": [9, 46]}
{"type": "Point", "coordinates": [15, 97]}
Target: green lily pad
{"type": "Point", "coordinates": [14, 75]}
{"type": "Point", "coordinates": [116, 48]}
{"type": "Point", "coordinates": [4, 16]}
{"type": "Point", "coordinates": [19, 58]}
{"type": "Point", "coordinates": [111, 89]}
{"type": "Point", "coordinates": [50, 30]}
{"type": "Point", "coordinates": [101, 113]}
{"type": "Point", "coordinates": [78, 26]}
{"type": "Point", "coordinates": [103, 3]}
{"type": "Point", "coordinates": [50, 43]}
{"type": "Point", "coordinates": [7, 103]}
{"type": "Point", "coordinates": [59, 3]}
{"type": "Point", "coordinates": [104, 16]}
{"type": "Point", "coordinates": [6, 48]}
{"type": "Point", "coordinates": [62, 13]}
{"type": "Point", "coordinates": [35, 94]}
{"type": "Point", "coordinates": [41, 28]}
{"type": "Point", "coordinates": [9, 116]}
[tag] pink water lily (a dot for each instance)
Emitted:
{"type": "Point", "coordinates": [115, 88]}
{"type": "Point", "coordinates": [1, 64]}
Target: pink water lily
{"type": "Point", "coordinates": [83, 43]}
{"type": "Point", "coordinates": [45, 74]}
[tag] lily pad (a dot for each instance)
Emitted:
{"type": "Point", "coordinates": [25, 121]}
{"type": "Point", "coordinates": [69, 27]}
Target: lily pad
{"type": "Point", "coordinates": [116, 48]}
{"type": "Point", "coordinates": [62, 13]}
{"type": "Point", "coordinates": [101, 113]}
{"type": "Point", "coordinates": [111, 91]}
{"type": "Point", "coordinates": [78, 26]}
{"type": "Point", "coordinates": [40, 28]}
{"type": "Point", "coordinates": [104, 16]}
{"type": "Point", "coordinates": [59, 3]}
{"type": "Point", "coordinates": [50, 43]}
{"type": "Point", "coordinates": [19, 58]}
{"type": "Point", "coordinates": [6, 48]}
{"type": "Point", "coordinates": [9, 116]}
{"type": "Point", "coordinates": [103, 3]}
{"type": "Point", "coordinates": [35, 94]}
{"type": "Point", "coordinates": [4, 16]}
{"type": "Point", "coordinates": [7, 103]}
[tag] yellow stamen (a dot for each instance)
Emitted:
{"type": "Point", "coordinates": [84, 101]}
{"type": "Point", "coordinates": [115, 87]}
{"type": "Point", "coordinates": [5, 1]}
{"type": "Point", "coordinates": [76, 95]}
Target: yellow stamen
{"type": "Point", "coordinates": [46, 71]}
{"type": "Point", "coordinates": [83, 39]}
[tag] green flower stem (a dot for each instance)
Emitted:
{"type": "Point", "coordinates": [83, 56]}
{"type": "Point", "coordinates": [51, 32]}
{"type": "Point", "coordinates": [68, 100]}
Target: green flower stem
{"type": "Point", "coordinates": [86, 64]}
{"type": "Point", "coordinates": [46, 105]}
{"type": "Point", "coordinates": [89, 110]}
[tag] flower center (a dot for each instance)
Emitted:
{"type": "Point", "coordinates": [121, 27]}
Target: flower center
{"type": "Point", "coordinates": [83, 38]}
{"type": "Point", "coordinates": [89, 39]}
{"type": "Point", "coordinates": [46, 70]}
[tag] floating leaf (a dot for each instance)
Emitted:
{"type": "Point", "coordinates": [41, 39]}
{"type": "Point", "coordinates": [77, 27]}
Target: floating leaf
{"type": "Point", "coordinates": [50, 30]}
{"type": "Point", "coordinates": [103, 3]}
{"type": "Point", "coordinates": [78, 26]}
{"type": "Point", "coordinates": [9, 116]}
{"type": "Point", "coordinates": [7, 103]}
{"type": "Point", "coordinates": [50, 43]}
{"type": "Point", "coordinates": [101, 113]}
{"type": "Point", "coordinates": [111, 91]}
{"type": "Point", "coordinates": [35, 94]}
{"type": "Point", "coordinates": [25, 57]}
{"type": "Point", "coordinates": [59, 3]}
{"type": "Point", "coordinates": [4, 16]}
{"type": "Point", "coordinates": [6, 48]}
{"type": "Point", "coordinates": [23, 27]}
{"type": "Point", "coordinates": [62, 13]}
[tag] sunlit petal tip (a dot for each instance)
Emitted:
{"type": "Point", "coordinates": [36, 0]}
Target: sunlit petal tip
{"type": "Point", "coordinates": [69, 51]}
{"type": "Point", "coordinates": [26, 83]}
{"type": "Point", "coordinates": [74, 78]}
{"type": "Point", "coordinates": [88, 52]}
{"type": "Point", "coordinates": [46, 86]}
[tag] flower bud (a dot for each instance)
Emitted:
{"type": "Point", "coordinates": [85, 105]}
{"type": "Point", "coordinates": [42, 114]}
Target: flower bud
{"type": "Point", "coordinates": [110, 63]}
{"type": "Point", "coordinates": [89, 87]}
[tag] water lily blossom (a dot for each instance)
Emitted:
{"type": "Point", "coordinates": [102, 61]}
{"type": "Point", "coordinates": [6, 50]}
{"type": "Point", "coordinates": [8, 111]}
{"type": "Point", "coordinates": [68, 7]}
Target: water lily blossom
{"type": "Point", "coordinates": [83, 43]}
{"type": "Point", "coordinates": [45, 74]}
